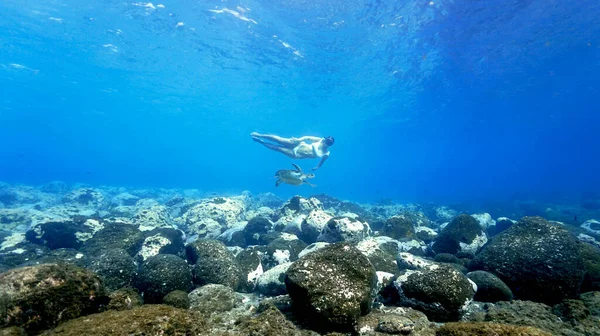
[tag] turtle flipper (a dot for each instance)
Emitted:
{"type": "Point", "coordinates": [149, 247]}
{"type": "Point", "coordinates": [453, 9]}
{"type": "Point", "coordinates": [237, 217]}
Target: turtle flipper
{"type": "Point", "coordinates": [310, 184]}
{"type": "Point", "coordinates": [298, 169]}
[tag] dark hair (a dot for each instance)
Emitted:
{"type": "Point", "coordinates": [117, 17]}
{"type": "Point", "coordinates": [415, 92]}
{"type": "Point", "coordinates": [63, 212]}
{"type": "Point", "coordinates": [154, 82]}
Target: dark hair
{"type": "Point", "coordinates": [329, 140]}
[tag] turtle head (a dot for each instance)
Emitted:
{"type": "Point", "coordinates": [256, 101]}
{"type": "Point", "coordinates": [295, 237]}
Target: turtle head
{"type": "Point", "coordinates": [328, 141]}
{"type": "Point", "coordinates": [311, 175]}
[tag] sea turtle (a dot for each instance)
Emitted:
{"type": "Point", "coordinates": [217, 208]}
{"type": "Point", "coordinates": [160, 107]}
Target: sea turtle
{"type": "Point", "coordinates": [293, 177]}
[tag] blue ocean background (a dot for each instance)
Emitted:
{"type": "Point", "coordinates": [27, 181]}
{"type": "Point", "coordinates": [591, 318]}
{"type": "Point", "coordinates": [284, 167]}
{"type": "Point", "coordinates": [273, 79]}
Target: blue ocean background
{"type": "Point", "coordinates": [441, 101]}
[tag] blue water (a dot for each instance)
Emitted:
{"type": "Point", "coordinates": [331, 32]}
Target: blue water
{"type": "Point", "coordinates": [441, 101]}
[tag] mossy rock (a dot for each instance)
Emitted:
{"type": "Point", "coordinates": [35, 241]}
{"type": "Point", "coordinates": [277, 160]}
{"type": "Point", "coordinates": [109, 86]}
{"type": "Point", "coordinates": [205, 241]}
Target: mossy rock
{"type": "Point", "coordinates": [40, 297]}
{"type": "Point", "coordinates": [116, 267]}
{"type": "Point", "coordinates": [270, 322]}
{"type": "Point", "coordinates": [115, 236]}
{"type": "Point", "coordinates": [145, 320]}
{"type": "Point", "coordinates": [213, 263]}
{"type": "Point", "coordinates": [591, 260]}
{"type": "Point", "coordinates": [399, 227]}
{"type": "Point", "coordinates": [124, 298]}
{"type": "Point", "coordinates": [332, 287]}
{"type": "Point", "coordinates": [162, 274]}
{"type": "Point", "coordinates": [539, 261]}
{"type": "Point", "coordinates": [487, 329]}
{"type": "Point", "coordinates": [177, 299]}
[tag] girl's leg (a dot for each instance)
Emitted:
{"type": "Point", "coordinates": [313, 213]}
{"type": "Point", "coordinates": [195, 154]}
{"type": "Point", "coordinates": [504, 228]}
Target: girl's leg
{"type": "Point", "coordinates": [286, 142]}
{"type": "Point", "coordinates": [287, 151]}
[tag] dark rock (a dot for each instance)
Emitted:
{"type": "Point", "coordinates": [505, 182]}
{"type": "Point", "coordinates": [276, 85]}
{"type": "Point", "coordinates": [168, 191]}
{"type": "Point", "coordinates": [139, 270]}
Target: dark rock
{"type": "Point", "coordinates": [160, 241]}
{"type": "Point", "coordinates": [399, 227]}
{"type": "Point", "coordinates": [162, 274]}
{"type": "Point", "coordinates": [486, 328]}
{"type": "Point", "coordinates": [177, 299]}
{"type": "Point", "coordinates": [502, 224]}
{"type": "Point", "coordinates": [571, 310]}
{"type": "Point", "coordinates": [61, 255]}
{"type": "Point", "coordinates": [447, 258]}
{"type": "Point", "coordinates": [116, 267]}
{"type": "Point", "coordinates": [212, 299]}
{"type": "Point", "coordinates": [214, 264]}
{"type": "Point", "coordinates": [591, 260]}
{"type": "Point", "coordinates": [281, 250]}
{"type": "Point", "coordinates": [124, 298]}
{"type": "Point", "coordinates": [462, 229]}
{"type": "Point", "coordinates": [22, 253]}
{"type": "Point", "coordinates": [332, 287]}
{"type": "Point", "coordinates": [439, 291]}
{"type": "Point", "coordinates": [65, 234]}
{"type": "Point", "coordinates": [41, 297]}
{"type": "Point", "coordinates": [537, 260]}
{"type": "Point", "coordinates": [256, 229]}
{"type": "Point", "coordinates": [489, 287]}
{"type": "Point", "coordinates": [115, 236]}
{"type": "Point", "coordinates": [145, 320]}
{"type": "Point", "coordinates": [250, 267]}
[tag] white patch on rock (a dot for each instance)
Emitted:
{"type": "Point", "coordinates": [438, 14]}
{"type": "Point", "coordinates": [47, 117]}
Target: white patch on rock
{"type": "Point", "coordinates": [411, 244]}
{"type": "Point", "coordinates": [587, 225]}
{"type": "Point", "coordinates": [281, 256]}
{"type": "Point", "coordinates": [368, 246]}
{"type": "Point", "coordinates": [288, 236]}
{"type": "Point", "coordinates": [588, 239]}
{"type": "Point", "coordinates": [429, 230]}
{"type": "Point", "coordinates": [478, 242]}
{"type": "Point", "coordinates": [12, 241]}
{"type": "Point", "coordinates": [312, 248]}
{"type": "Point", "coordinates": [79, 256]}
{"type": "Point", "coordinates": [152, 246]}
{"type": "Point", "coordinates": [19, 251]}
{"type": "Point", "coordinates": [382, 278]}
{"type": "Point", "coordinates": [409, 261]}
{"type": "Point", "coordinates": [254, 275]}
{"type": "Point", "coordinates": [485, 220]}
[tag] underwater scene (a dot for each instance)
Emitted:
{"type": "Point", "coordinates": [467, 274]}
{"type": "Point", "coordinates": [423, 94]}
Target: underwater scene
{"type": "Point", "coordinates": [299, 167]}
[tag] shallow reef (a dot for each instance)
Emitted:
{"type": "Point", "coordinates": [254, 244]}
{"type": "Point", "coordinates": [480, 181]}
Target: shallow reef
{"type": "Point", "coordinates": [84, 260]}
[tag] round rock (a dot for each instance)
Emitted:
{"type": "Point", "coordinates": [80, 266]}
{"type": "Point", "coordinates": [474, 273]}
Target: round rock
{"type": "Point", "coordinates": [489, 287]}
{"type": "Point", "coordinates": [162, 274]}
{"type": "Point", "coordinates": [214, 264]}
{"type": "Point", "coordinates": [333, 286]}
{"type": "Point", "coordinates": [538, 261]}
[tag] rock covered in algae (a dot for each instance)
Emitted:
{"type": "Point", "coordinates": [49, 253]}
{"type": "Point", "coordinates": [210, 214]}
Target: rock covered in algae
{"type": "Point", "coordinates": [40, 297]}
{"type": "Point", "coordinates": [145, 320]}
{"type": "Point", "coordinates": [332, 286]}
{"type": "Point", "coordinates": [485, 328]}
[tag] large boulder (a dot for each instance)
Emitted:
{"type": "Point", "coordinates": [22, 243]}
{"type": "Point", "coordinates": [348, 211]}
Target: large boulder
{"type": "Point", "coordinates": [333, 286]}
{"type": "Point", "coordinates": [40, 297]}
{"type": "Point", "coordinates": [538, 260]}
